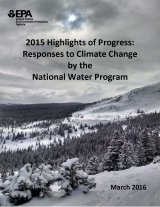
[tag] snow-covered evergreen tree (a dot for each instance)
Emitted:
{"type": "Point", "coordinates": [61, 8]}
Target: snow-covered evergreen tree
{"type": "Point", "coordinates": [111, 158]}
{"type": "Point", "coordinates": [28, 183]}
{"type": "Point", "coordinates": [148, 144]}
{"type": "Point", "coordinates": [19, 187]}
{"type": "Point", "coordinates": [71, 175]}
{"type": "Point", "coordinates": [139, 155]}
{"type": "Point", "coordinates": [41, 178]}
{"type": "Point", "coordinates": [156, 138]}
{"type": "Point", "coordinates": [126, 157]}
{"type": "Point", "coordinates": [93, 165]}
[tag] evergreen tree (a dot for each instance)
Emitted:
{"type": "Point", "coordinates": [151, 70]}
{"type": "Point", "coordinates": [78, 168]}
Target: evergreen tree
{"type": "Point", "coordinates": [42, 178]}
{"type": "Point", "coordinates": [126, 157]}
{"type": "Point", "coordinates": [19, 188]}
{"type": "Point", "coordinates": [93, 165]}
{"type": "Point", "coordinates": [111, 158]}
{"type": "Point", "coordinates": [71, 175]}
{"type": "Point", "coordinates": [28, 183]}
{"type": "Point", "coordinates": [156, 138]}
{"type": "Point", "coordinates": [139, 158]}
{"type": "Point", "coordinates": [148, 144]}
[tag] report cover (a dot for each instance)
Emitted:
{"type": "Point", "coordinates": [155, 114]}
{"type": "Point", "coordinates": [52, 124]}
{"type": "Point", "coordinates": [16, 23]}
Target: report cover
{"type": "Point", "coordinates": [79, 103]}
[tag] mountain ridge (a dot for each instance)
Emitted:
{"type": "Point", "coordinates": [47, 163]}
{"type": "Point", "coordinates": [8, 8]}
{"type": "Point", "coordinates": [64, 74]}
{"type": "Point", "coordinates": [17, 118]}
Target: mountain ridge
{"type": "Point", "coordinates": [146, 98]}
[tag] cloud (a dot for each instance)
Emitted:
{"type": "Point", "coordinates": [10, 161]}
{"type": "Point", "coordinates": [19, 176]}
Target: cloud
{"type": "Point", "coordinates": [106, 19]}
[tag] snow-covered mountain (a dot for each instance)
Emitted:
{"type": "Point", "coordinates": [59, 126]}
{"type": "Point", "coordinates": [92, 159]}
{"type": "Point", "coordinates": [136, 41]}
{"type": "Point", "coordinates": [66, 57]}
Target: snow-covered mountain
{"type": "Point", "coordinates": [146, 98]}
{"type": "Point", "coordinates": [119, 107]}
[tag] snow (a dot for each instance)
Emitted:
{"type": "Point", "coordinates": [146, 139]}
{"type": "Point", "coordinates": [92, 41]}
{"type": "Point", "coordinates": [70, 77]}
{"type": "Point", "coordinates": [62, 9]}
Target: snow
{"type": "Point", "coordinates": [81, 174]}
{"type": "Point", "coordinates": [69, 163]}
{"type": "Point", "coordinates": [56, 190]}
{"type": "Point", "coordinates": [4, 200]}
{"type": "Point", "coordinates": [33, 127]}
{"type": "Point", "coordinates": [28, 142]}
{"type": "Point", "coordinates": [103, 195]}
{"type": "Point", "coordinates": [117, 108]}
{"type": "Point", "coordinates": [23, 194]}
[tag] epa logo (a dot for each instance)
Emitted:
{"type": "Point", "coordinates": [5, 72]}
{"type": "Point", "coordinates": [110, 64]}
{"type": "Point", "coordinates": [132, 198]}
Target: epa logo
{"type": "Point", "coordinates": [19, 13]}
{"type": "Point", "coordinates": [11, 14]}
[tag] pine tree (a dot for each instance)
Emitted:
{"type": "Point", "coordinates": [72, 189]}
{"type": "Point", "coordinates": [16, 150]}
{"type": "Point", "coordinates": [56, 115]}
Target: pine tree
{"type": "Point", "coordinates": [28, 183]}
{"type": "Point", "coordinates": [20, 186]}
{"type": "Point", "coordinates": [71, 175]}
{"type": "Point", "coordinates": [93, 165]}
{"type": "Point", "coordinates": [156, 138]}
{"type": "Point", "coordinates": [148, 144]}
{"type": "Point", "coordinates": [139, 156]}
{"type": "Point", "coordinates": [42, 178]}
{"type": "Point", "coordinates": [126, 157]}
{"type": "Point", "coordinates": [111, 158]}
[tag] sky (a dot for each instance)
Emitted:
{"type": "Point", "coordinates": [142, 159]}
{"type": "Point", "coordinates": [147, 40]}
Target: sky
{"type": "Point", "coordinates": [136, 20]}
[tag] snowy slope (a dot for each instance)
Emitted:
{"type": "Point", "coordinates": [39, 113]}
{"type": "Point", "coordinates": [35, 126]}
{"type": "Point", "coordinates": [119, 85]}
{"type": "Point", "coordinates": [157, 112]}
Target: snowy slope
{"type": "Point", "coordinates": [119, 107]}
{"type": "Point", "coordinates": [103, 195]}
{"type": "Point", "coordinates": [34, 127]}
{"type": "Point", "coordinates": [146, 98]}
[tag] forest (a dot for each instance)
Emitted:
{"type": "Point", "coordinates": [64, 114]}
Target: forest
{"type": "Point", "coordinates": [19, 114]}
{"type": "Point", "coordinates": [114, 146]}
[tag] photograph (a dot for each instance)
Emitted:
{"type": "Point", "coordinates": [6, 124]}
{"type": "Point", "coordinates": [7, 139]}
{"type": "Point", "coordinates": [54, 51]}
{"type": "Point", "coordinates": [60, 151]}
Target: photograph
{"type": "Point", "coordinates": [79, 103]}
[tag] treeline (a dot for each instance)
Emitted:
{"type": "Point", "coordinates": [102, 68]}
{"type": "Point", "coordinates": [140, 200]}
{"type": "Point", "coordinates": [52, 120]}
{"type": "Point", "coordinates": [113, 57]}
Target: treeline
{"type": "Point", "coordinates": [115, 146]}
{"type": "Point", "coordinates": [19, 114]}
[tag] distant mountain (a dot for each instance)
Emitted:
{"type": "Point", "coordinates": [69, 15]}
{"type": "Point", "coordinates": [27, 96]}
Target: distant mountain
{"type": "Point", "coordinates": [36, 112]}
{"type": "Point", "coordinates": [145, 99]}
